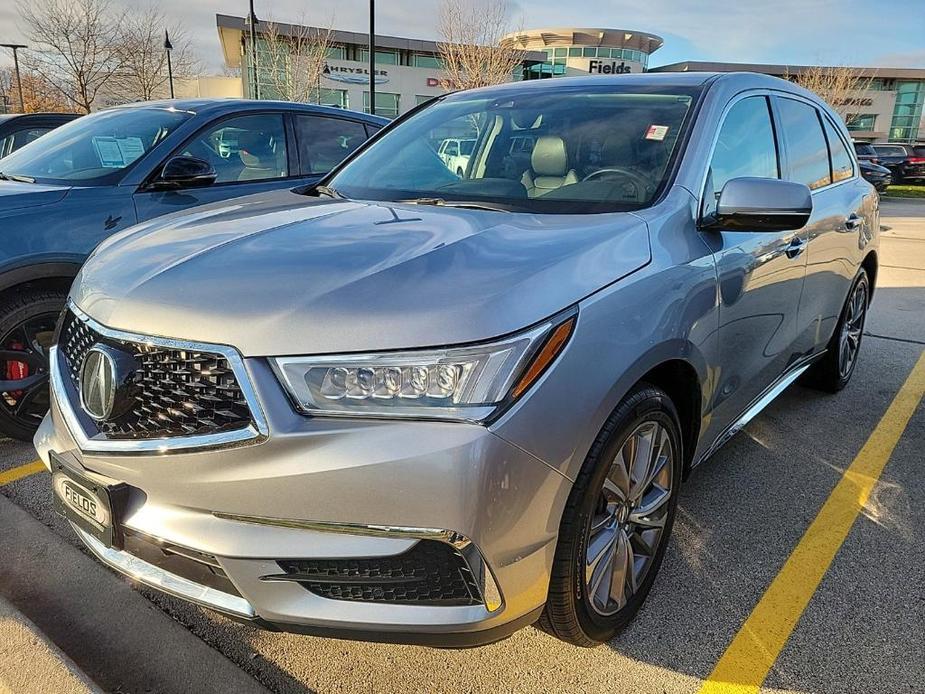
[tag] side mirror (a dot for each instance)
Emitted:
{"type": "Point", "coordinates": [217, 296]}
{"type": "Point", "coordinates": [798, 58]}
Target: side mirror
{"type": "Point", "coordinates": [186, 172]}
{"type": "Point", "coordinates": [761, 204]}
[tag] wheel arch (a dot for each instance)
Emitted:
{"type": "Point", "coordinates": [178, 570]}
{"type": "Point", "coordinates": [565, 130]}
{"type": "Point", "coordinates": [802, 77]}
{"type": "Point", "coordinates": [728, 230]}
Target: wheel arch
{"type": "Point", "coordinates": [871, 266]}
{"type": "Point", "coordinates": [56, 274]}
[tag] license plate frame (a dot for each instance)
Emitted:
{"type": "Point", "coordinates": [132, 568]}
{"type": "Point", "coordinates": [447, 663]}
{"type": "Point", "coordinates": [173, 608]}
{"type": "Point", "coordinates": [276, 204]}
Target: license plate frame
{"type": "Point", "coordinates": [91, 506]}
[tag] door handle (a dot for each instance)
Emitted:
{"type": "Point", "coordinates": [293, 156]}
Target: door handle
{"type": "Point", "coordinates": [796, 247]}
{"type": "Point", "coordinates": [853, 222]}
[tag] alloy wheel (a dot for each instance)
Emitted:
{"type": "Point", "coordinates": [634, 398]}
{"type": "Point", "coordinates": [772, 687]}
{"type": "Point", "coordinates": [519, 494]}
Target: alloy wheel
{"type": "Point", "coordinates": [628, 525]}
{"type": "Point", "coordinates": [849, 342]}
{"type": "Point", "coordinates": [24, 369]}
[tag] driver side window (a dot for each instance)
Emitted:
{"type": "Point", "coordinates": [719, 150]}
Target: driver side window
{"type": "Point", "coordinates": [246, 148]}
{"type": "Point", "coordinates": [745, 147]}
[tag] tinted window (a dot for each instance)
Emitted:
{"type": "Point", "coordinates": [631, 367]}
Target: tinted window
{"type": "Point", "coordinates": [806, 148]}
{"type": "Point", "coordinates": [864, 150]}
{"type": "Point", "coordinates": [890, 151]}
{"type": "Point", "coordinates": [246, 148]}
{"type": "Point", "coordinates": [745, 147]}
{"type": "Point", "coordinates": [15, 140]}
{"type": "Point", "coordinates": [919, 151]}
{"type": "Point", "coordinates": [325, 142]}
{"type": "Point", "coordinates": [95, 149]}
{"type": "Point", "coordinates": [842, 166]}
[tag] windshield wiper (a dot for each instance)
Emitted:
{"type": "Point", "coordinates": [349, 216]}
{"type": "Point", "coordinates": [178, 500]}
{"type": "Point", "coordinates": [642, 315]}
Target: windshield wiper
{"type": "Point", "coordinates": [16, 177]}
{"type": "Point", "coordinates": [466, 204]}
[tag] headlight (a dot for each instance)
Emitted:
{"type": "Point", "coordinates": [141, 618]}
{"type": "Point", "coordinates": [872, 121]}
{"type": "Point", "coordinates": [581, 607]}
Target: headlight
{"type": "Point", "coordinates": [461, 383]}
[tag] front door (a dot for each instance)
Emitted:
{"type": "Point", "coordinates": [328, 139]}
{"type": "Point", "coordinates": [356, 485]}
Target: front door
{"type": "Point", "coordinates": [760, 274]}
{"type": "Point", "coordinates": [250, 154]}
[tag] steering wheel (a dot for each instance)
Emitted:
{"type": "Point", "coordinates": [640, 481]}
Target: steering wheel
{"type": "Point", "coordinates": [638, 180]}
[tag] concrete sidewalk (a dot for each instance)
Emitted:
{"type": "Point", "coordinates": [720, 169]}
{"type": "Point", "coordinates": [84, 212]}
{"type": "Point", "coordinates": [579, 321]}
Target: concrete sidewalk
{"type": "Point", "coordinates": [29, 662]}
{"type": "Point", "coordinates": [119, 639]}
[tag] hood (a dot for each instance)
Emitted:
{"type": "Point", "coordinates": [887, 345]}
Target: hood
{"type": "Point", "coordinates": [15, 195]}
{"type": "Point", "coordinates": [280, 273]}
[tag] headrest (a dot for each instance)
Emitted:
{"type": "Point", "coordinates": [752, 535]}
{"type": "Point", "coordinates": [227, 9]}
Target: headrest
{"type": "Point", "coordinates": [549, 156]}
{"type": "Point", "coordinates": [256, 150]}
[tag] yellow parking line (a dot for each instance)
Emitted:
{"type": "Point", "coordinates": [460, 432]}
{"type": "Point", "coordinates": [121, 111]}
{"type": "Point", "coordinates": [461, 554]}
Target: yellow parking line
{"type": "Point", "coordinates": [17, 473]}
{"type": "Point", "coordinates": [753, 651]}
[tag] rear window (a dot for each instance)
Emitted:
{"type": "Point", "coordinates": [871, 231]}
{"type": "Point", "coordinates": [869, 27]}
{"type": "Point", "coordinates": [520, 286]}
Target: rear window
{"type": "Point", "coordinates": [890, 150]}
{"type": "Point", "coordinates": [865, 150]}
{"type": "Point", "coordinates": [919, 151]}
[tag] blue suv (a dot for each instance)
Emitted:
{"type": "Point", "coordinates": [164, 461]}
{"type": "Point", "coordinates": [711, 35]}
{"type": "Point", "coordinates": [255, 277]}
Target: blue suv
{"type": "Point", "coordinates": [60, 196]}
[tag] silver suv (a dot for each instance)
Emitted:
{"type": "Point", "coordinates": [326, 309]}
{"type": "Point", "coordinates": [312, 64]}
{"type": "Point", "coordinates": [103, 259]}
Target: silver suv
{"type": "Point", "coordinates": [411, 406]}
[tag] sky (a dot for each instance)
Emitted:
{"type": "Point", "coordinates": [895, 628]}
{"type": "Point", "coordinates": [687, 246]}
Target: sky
{"type": "Point", "coordinates": [878, 33]}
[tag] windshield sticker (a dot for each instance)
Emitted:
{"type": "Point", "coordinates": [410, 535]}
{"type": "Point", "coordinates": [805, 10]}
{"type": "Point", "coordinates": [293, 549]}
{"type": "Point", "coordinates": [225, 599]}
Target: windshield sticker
{"type": "Point", "coordinates": [656, 132]}
{"type": "Point", "coordinates": [131, 148]}
{"type": "Point", "coordinates": [107, 149]}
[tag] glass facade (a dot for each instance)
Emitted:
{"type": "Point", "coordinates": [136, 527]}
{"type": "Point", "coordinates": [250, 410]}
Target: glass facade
{"type": "Point", "coordinates": [861, 121]}
{"type": "Point", "coordinates": [383, 57]}
{"type": "Point", "coordinates": [386, 104]}
{"type": "Point", "coordinates": [426, 60]}
{"type": "Point", "coordinates": [557, 59]}
{"type": "Point", "coordinates": [907, 114]}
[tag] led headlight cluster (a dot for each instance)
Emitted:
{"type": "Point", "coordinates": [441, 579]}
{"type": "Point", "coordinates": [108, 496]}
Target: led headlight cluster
{"type": "Point", "coordinates": [464, 383]}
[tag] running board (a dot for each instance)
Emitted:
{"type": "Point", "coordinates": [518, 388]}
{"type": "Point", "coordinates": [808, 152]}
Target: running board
{"type": "Point", "coordinates": [763, 401]}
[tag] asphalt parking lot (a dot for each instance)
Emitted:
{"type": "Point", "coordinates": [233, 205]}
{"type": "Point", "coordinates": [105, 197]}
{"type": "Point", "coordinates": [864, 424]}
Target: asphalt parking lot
{"type": "Point", "coordinates": [741, 516]}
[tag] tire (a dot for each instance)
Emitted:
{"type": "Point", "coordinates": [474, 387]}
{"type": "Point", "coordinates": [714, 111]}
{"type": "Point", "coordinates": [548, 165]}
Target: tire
{"type": "Point", "coordinates": [829, 373]}
{"type": "Point", "coordinates": [575, 611]}
{"type": "Point", "coordinates": [27, 320]}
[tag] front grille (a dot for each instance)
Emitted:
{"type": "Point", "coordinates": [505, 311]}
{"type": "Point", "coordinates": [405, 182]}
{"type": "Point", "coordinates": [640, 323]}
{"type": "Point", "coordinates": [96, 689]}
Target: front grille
{"type": "Point", "coordinates": [430, 573]}
{"type": "Point", "coordinates": [177, 392]}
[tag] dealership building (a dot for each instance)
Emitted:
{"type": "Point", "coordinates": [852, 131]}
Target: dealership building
{"type": "Point", "coordinates": [409, 71]}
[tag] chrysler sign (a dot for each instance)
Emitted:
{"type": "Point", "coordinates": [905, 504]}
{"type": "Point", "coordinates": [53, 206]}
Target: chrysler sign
{"type": "Point", "coordinates": [353, 75]}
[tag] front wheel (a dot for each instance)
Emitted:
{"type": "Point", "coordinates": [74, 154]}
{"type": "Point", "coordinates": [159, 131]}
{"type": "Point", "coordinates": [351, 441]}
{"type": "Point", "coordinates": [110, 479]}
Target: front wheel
{"type": "Point", "coordinates": [27, 327]}
{"type": "Point", "coordinates": [617, 521]}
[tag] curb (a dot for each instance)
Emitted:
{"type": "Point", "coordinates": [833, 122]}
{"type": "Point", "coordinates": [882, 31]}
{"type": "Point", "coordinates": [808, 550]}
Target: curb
{"type": "Point", "coordinates": [114, 634]}
{"type": "Point", "coordinates": [30, 662]}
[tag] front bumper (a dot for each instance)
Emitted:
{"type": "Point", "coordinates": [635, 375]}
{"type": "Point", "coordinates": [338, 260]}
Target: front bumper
{"type": "Point", "coordinates": [322, 488]}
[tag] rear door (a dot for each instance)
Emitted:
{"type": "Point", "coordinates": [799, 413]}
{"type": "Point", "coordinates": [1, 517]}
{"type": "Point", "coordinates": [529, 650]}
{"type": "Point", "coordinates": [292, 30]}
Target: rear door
{"type": "Point", "coordinates": [760, 273]}
{"type": "Point", "coordinates": [251, 153]}
{"type": "Point", "coordinates": [325, 141]}
{"type": "Point", "coordinates": [843, 203]}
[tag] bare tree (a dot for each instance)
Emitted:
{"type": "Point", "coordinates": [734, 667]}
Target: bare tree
{"type": "Point", "coordinates": [291, 60]}
{"type": "Point", "coordinates": [472, 46]}
{"type": "Point", "coordinates": [38, 94]}
{"type": "Point", "coordinates": [76, 45]}
{"type": "Point", "coordinates": [143, 73]}
{"type": "Point", "coordinates": [838, 86]}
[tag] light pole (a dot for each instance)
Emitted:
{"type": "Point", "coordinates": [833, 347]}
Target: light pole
{"type": "Point", "coordinates": [252, 21]}
{"type": "Point", "coordinates": [169, 47]}
{"type": "Point", "coordinates": [372, 57]}
{"type": "Point", "coordinates": [15, 47]}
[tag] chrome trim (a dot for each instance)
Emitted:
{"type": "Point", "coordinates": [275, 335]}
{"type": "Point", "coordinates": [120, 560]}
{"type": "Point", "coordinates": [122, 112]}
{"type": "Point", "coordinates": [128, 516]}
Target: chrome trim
{"type": "Point", "coordinates": [450, 537]}
{"type": "Point", "coordinates": [757, 406]}
{"type": "Point", "coordinates": [256, 432]}
{"type": "Point", "coordinates": [157, 578]}
{"type": "Point", "coordinates": [491, 593]}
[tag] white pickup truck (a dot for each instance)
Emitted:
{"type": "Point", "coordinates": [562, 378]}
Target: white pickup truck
{"type": "Point", "coordinates": [455, 154]}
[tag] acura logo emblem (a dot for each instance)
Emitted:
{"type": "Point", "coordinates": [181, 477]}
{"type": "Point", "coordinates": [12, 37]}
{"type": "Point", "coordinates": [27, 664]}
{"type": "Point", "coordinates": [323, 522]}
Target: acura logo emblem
{"type": "Point", "coordinates": [98, 383]}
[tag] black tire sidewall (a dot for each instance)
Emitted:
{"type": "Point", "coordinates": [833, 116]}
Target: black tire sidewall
{"type": "Point", "coordinates": [653, 406]}
{"type": "Point", "coordinates": [28, 304]}
{"type": "Point", "coordinates": [842, 381]}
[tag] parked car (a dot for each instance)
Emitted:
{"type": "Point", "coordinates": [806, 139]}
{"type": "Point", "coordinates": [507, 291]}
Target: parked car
{"type": "Point", "coordinates": [455, 154]}
{"type": "Point", "coordinates": [19, 129]}
{"type": "Point", "coordinates": [62, 195]}
{"type": "Point", "coordinates": [905, 162]}
{"type": "Point", "coordinates": [866, 152]}
{"type": "Point", "coordinates": [878, 176]}
{"type": "Point", "coordinates": [403, 406]}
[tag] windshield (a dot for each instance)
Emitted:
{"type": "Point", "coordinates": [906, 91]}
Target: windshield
{"type": "Point", "coordinates": [94, 149]}
{"type": "Point", "coordinates": [561, 150]}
